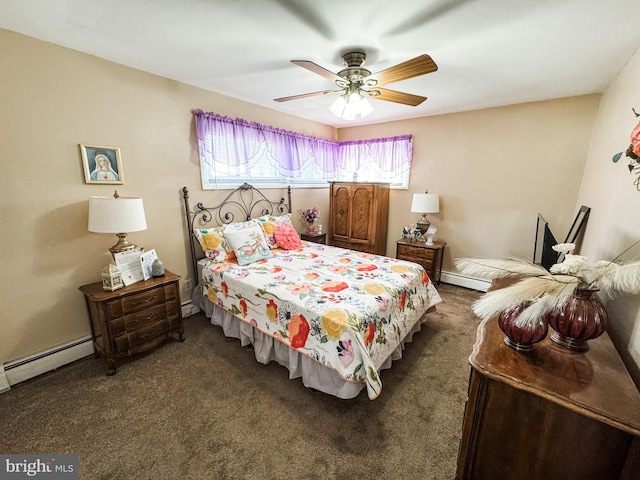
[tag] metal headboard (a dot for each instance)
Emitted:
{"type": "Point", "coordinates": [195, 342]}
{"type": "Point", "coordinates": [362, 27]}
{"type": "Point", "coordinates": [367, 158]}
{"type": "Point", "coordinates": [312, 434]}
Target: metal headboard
{"type": "Point", "coordinates": [242, 204]}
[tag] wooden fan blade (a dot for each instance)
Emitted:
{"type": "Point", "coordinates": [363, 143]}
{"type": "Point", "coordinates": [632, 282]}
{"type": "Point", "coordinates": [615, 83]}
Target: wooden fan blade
{"type": "Point", "coordinates": [409, 69]}
{"type": "Point", "coordinates": [304, 95]}
{"type": "Point", "coordinates": [399, 97]}
{"type": "Point", "coordinates": [315, 68]}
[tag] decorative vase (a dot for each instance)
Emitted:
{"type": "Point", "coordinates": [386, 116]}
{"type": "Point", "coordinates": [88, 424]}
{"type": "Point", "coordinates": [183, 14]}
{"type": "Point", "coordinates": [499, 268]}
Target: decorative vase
{"type": "Point", "coordinates": [311, 227]}
{"type": "Point", "coordinates": [521, 335]}
{"type": "Point", "coordinates": [581, 318]}
{"type": "Point", "coordinates": [157, 268]}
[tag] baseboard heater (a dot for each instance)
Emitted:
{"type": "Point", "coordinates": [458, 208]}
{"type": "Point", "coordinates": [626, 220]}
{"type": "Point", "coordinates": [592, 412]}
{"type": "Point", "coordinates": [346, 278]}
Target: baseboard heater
{"type": "Point", "coordinates": [463, 281]}
{"type": "Point", "coordinates": [25, 368]}
{"type": "Point", "coordinates": [34, 365]}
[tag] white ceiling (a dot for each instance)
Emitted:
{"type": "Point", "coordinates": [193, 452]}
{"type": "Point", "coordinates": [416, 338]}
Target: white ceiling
{"type": "Point", "coordinates": [489, 52]}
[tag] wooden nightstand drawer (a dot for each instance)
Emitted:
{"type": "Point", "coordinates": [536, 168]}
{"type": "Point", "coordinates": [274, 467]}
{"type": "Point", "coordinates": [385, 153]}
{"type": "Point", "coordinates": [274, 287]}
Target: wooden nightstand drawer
{"type": "Point", "coordinates": [134, 321]}
{"type": "Point", "coordinates": [428, 266]}
{"type": "Point", "coordinates": [135, 318]}
{"type": "Point", "coordinates": [141, 301]}
{"type": "Point", "coordinates": [429, 256]}
{"type": "Point", "coordinates": [418, 253]}
{"type": "Point", "coordinates": [126, 343]}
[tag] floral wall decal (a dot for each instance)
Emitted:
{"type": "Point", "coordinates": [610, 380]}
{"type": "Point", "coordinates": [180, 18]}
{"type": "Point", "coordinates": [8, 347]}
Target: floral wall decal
{"type": "Point", "coordinates": [633, 152]}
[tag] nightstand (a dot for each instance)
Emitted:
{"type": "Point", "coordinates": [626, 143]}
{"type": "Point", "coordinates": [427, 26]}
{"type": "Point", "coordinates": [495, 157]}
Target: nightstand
{"type": "Point", "coordinates": [314, 237]}
{"type": "Point", "coordinates": [429, 256]}
{"type": "Point", "coordinates": [133, 319]}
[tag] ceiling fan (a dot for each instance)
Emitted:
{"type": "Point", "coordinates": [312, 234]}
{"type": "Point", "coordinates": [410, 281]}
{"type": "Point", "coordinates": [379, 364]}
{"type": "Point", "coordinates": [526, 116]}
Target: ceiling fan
{"type": "Point", "coordinates": [354, 79]}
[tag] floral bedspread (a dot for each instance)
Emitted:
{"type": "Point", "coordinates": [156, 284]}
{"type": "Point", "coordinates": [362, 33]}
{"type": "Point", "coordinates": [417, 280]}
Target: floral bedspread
{"type": "Point", "coordinates": [345, 309]}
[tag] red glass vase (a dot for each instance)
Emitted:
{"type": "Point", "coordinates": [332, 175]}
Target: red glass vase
{"type": "Point", "coordinates": [581, 318]}
{"type": "Point", "coordinates": [521, 335]}
{"type": "Point", "coordinates": [311, 228]}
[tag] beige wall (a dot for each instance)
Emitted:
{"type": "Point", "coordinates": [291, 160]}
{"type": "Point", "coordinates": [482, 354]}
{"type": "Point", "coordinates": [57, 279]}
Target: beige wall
{"type": "Point", "coordinates": [614, 222]}
{"type": "Point", "coordinates": [52, 100]}
{"type": "Point", "coordinates": [495, 170]}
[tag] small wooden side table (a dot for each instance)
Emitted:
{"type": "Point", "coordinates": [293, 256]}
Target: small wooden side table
{"type": "Point", "coordinates": [429, 256]}
{"type": "Point", "coordinates": [135, 318]}
{"type": "Point", "coordinates": [314, 237]}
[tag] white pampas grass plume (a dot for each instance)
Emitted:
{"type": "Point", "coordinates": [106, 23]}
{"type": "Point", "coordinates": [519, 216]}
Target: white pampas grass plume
{"type": "Point", "coordinates": [544, 293]}
{"type": "Point", "coordinates": [491, 268]}
{"type": "Point", "coordinates": [615, 279]}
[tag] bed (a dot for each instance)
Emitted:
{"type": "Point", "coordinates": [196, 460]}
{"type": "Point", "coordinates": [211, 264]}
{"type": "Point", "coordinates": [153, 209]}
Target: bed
{"type": "Point", "coordinates": [333, 317]}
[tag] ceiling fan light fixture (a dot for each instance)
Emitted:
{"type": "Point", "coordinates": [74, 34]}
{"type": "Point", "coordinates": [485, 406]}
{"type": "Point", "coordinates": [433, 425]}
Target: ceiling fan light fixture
{"type": "Point", "coordinates": [338, 106]}
{"type": "Point", "coordinates": [353, 107]}
{"type": "Point", "coordinates": [350, 105]}
{"type": "Point", "coordinates": [354, 99]}
{"type": "Point", "coordinates": [365, 108]}
{"type": "Point", "coordinates": [358, 80]}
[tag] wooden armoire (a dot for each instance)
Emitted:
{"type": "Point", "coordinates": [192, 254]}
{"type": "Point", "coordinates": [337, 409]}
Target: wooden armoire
{"type": "Point", "coordinates": [359, 215]}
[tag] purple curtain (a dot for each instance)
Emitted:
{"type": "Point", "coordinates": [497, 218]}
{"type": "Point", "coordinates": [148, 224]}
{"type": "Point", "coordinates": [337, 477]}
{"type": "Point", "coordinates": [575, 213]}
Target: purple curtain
{"type": "Point", "coordinates": [389, 156]}
{"type": "Point", "coordinates": [231, 145]}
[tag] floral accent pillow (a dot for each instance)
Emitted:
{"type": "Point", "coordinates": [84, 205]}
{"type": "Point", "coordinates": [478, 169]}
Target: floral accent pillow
{"type": "Point", "coordinates": [249, 244]}
{"type": "Point", "coordinates": [269, 224]}
{"type": "Point", "coordinates": [214, 244]}
{"type": "Point", "coordinates": [287, 237]}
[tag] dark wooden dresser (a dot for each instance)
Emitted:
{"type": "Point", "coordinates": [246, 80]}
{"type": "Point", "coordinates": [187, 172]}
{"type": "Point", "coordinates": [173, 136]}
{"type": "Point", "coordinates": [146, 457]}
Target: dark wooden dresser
{"type": "Point", "coordinates": [133, 319]}
{"type": "Point", "coordinates": [549, 413]}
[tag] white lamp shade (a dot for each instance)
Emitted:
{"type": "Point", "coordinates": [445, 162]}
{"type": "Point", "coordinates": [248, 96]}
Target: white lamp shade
{"type": "Point", "coordinates": [116, 215]}
{"type": "Point", "coordinates": [425, 203]}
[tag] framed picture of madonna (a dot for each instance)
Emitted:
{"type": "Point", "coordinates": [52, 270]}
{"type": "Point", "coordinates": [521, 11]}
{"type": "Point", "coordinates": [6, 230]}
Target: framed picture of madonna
{"type": "Point", "coordinates": [102, 165]}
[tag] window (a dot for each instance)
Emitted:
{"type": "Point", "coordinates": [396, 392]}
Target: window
{"type": "Point", "coordinates": [380, 159]}
{"type": "Point", "coordinates": [234, 151]}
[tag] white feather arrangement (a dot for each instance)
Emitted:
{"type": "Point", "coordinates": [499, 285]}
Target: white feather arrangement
{"type": "Point", "coordinates": [543, 293]}
{"type": "Point", "coordinates": [490, 268]}
{"type": "Point", "coordinates": [615, 279]}
{"type": "Point", "coordinates": [545, 290]}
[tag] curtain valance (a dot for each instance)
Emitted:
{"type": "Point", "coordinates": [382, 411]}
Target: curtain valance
{"type": "Point", "coordinates": [229, 145]}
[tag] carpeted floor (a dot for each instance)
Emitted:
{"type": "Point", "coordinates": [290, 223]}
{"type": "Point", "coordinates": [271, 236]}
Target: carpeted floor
{"type": "Point", "coordinates": [206, 409]}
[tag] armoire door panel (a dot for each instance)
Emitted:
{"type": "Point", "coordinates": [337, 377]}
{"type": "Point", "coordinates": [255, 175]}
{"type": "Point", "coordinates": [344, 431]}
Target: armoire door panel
{"type": "Point", "coordinates": [342, 205]}
{"type": "Point", "coordinates": [361, 208]}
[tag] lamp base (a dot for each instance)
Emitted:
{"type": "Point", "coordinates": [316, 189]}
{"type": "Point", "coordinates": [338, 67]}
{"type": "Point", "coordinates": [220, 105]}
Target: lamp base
{"type": "Point", "coordinates": [123, 245]}
{"type": "Point", "coordinates": [423, 224]}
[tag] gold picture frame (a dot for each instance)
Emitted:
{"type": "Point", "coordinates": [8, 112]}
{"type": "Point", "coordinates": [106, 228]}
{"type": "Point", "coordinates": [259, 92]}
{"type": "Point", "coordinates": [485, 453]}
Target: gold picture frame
{"type": "Point", "coordinates": [102, 165]}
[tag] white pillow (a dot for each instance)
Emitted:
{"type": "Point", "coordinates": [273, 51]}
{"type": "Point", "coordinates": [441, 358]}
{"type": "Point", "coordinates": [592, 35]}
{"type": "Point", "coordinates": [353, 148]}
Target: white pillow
{"type": "Point", "coordinates": [249, 244]}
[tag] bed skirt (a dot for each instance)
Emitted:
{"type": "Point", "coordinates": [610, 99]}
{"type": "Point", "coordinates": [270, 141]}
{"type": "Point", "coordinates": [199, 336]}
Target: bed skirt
{"type": "Point", "coordinates": [313, 374]}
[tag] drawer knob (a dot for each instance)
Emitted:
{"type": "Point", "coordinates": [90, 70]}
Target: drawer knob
{"type": "Point", "coordinates": [152, 334]}
{"type": "Point", "coordinates": [143, 301]}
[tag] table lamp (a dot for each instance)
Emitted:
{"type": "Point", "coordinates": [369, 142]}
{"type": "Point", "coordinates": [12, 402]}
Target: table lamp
{"type": "Point", "coordinates": [119, 215]}
{"type": "Point", "coordinates": [425, 203]}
